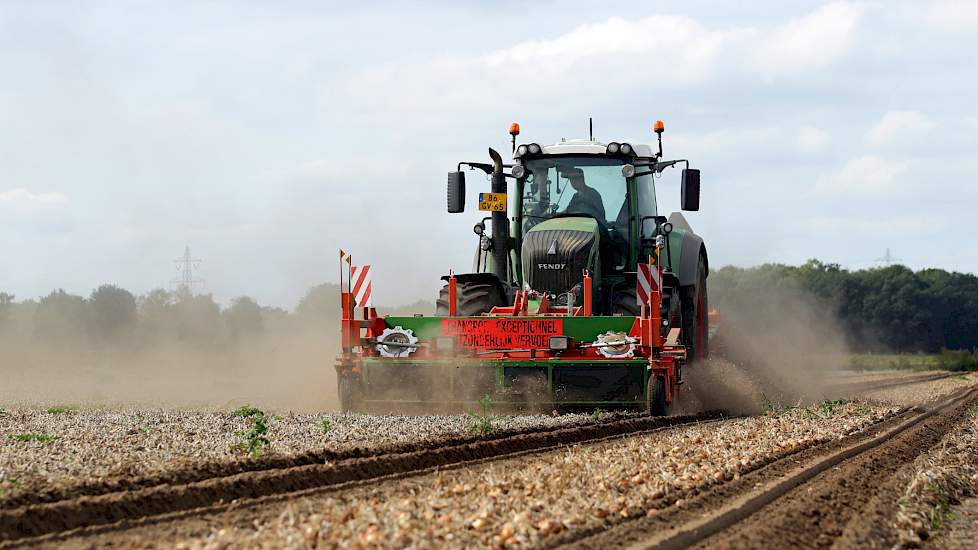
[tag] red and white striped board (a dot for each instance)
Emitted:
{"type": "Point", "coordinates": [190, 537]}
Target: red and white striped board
{"type": "Point", "coordinates": [648, 282]}
{"type": "Point", "coordinates": [362, 287]}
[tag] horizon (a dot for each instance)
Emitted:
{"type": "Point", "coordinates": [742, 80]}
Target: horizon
{"type": "Point", "coordinates": [225, 303]}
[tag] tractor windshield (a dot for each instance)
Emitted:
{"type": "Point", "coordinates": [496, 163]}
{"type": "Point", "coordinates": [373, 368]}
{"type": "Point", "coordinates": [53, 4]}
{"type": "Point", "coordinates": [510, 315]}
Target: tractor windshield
{"type": "Point", "coordinates": [585, 185]}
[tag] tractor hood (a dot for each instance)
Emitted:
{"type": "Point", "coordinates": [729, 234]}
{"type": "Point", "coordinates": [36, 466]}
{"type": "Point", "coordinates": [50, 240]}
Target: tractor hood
{"type": "Point", "coordinates": [556, 251]}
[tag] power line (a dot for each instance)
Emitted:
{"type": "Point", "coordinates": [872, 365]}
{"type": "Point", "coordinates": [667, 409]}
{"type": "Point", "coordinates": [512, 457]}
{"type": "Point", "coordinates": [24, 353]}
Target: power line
{"type": "Point", "coordinates": [187, 265]}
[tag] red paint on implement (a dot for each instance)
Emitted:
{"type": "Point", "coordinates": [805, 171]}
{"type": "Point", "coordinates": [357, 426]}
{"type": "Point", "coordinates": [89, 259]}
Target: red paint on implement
{"type": "Point", "coordinates": [502, 333]}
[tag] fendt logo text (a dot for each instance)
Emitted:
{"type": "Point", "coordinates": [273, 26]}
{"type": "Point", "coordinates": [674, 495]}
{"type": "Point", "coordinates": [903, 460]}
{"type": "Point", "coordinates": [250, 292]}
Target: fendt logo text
{"type": "Point", "coordinates": [551, 266]}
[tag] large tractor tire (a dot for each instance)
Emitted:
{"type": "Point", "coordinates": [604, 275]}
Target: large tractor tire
{"type": "Point", "coordinates": [474, 298]}
{"type": "Point", "coordinates": [655, 397]}
{"type": "Point", "coordinates": [625, 302]}
{"type": "Point", "coordinates": [695, 317]}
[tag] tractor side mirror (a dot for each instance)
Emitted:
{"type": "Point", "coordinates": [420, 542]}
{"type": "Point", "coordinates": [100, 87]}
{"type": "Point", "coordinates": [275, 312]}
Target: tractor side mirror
{"type": "Point", "coordinates": [690, 192]}
{"type": "Point", "coordinates": [648, 229]}
{"type": "Point", "coordinates": [456, 192]}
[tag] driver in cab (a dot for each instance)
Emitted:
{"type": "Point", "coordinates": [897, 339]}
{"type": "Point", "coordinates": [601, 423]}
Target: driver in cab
{"type": "Point", "coordinates": [585, 200]}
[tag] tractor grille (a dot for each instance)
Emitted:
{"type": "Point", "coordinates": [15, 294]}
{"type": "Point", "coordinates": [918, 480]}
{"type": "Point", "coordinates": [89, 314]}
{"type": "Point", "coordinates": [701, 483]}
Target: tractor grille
{"type": "Point", "coordinates": [553, 260]}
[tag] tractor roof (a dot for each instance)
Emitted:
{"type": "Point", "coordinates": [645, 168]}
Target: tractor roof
{"type": "Point", "coordinates": [588, 147]}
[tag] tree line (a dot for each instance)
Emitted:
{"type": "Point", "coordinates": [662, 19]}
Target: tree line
{"type": "Point", "coordinates": [114, 316]}
{"type": "Point", "coordinates": [891, 309]}
{"type": "Point", "coordinates": [886, 309]}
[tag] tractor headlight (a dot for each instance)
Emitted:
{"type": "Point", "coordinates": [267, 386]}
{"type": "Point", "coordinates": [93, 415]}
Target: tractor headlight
{"type": "Point", "coordinates": [485, 243]}
{"type": "Point", "coordinates": [534, 149]}
{"type": "Point", "coordinates": [521, 150]}
{"type": "Point", "coordinates": [479, 228]}
{"type": "Point", "coordinates": [613, 148]}
{"type": "Point", "coordinates": [628, 170]}
{"type": "Point", "coordinates": [559, 343]}
{"type": "Point", "coordinates": [666, 228]}
{"type": "Point", "coordinates": [518, 171]}
{"type": "Point", "coordinates": [626, 149]}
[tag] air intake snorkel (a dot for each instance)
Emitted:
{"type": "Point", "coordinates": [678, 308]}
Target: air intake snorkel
{"type": "Point", "coordinates": [500, 223]}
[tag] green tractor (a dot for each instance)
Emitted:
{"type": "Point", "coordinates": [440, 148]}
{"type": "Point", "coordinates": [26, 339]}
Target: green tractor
{"type": "Point", "coordinates": [581, 295]}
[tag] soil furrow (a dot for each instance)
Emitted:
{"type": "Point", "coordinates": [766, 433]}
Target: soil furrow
{"type": "Point", "coordinates": [814, 513]}
{"type": "Point", "coordinates": [87, 511]}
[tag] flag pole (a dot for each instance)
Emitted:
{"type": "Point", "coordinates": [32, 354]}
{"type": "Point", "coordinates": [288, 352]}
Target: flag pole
{"type": "Point", "coordinates": [341, 269]}
{"type": "Point", "coordinates": [349, 278]}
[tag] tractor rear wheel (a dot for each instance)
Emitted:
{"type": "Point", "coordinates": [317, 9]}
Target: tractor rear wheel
{"type": "Point", "coordinates": [474, 299]}
{"type": "Point", "coordinates": [655, 396]}
{"type": "Point", "coordinates": [695, 317]}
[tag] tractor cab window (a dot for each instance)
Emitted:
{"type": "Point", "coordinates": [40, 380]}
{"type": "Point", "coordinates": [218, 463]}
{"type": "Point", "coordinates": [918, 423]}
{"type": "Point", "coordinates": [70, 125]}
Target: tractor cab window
{"type": "Point", "coordinates": [582, 185]}
{"type": "Point", "coordinates": [645, 196]}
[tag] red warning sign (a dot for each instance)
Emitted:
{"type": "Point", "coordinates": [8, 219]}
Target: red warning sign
{"type": "Point", "coordinates": [503, 333]}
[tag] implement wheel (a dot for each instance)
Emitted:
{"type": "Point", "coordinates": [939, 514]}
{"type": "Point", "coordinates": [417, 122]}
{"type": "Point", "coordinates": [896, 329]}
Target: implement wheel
{"type": "Point", "coordinates": [655, 396]}
{"type": "Point", "coordinates": [349, 393]}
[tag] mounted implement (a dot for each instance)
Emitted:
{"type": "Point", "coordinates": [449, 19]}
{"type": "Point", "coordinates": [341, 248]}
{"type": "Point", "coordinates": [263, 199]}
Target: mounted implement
{"type": "Point", "coordinates": [581, 296]}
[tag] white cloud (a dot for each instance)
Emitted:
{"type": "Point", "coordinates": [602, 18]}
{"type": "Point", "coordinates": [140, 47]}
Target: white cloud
{"type": "Point", "coordinates": [812, 140]}
{"type": "Point", "coordinates": [680, 43]}
{"type": "Point", "coordinates": [952, 15]}
{"type": "Point", "coordinates": [809, 42]}
{"type": "Point", "coordinates": [867, 175]}
{"type": "Point", "coordinates": [21, 194]}
{"type": "Point", "coordinates": [612, 59]}
{"type": "Point", "coordinates": [910, 124]}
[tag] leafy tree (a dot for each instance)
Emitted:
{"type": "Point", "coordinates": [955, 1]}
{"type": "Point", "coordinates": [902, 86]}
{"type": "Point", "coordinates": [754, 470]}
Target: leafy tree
{"type": "Point", "coordinates": [321, 303]}
{"type": "Point", "coordinates": [62, 318]}
{"type": "Point", "coordinates": [157, 316]}
{"type": "Point", "coordinates": [6, 303]}
{"type": "Point", "coordinates": [244, 316]}
{"type": "Point", "coordinates": [113, 311]}
{"type": "Point", "coordinates": [891, 308]}
{"type": "Point", "coordinates": [198, 319]}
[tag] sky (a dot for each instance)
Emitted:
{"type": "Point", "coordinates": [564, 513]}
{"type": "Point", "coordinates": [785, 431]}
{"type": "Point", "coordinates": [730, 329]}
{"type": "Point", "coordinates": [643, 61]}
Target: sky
{"type": "Point", "coordinates": [266, 135]}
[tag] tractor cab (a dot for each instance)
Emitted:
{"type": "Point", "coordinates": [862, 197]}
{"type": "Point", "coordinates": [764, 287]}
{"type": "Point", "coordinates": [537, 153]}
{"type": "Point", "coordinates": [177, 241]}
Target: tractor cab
{"type": "Point", "coordinates": [578, 206]}
{"type": "Point", "coordinates": [574, 192]}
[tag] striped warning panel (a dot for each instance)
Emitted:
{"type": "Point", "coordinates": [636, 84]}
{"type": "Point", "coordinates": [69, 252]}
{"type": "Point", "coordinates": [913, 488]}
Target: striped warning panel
{"type": "Point", "coordinates": [647, 282]}
{"type": "Point", "coordinates": [362, 287]}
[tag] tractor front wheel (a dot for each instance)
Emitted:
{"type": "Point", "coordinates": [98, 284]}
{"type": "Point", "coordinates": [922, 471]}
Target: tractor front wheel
{"type": "Point", "coordinates": [655, 396]}
{"type": "Point", "coordinates": [474, 299]}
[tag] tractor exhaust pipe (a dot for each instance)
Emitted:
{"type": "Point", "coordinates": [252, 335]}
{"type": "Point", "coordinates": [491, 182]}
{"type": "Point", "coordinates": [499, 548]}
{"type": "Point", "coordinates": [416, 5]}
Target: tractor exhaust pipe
{"type": "Point", "coordinates": [500, 222]}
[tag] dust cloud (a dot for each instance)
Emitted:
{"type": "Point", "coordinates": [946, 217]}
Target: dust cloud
{"type": "Point", "coordinates": [773, 345]}
{"type": "Point", "coordinates": [286, 367]}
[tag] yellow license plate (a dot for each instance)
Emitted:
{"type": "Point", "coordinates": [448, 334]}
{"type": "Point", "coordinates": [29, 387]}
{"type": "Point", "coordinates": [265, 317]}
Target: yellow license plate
{"type": "Point", "coordinates": [492, 202]}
